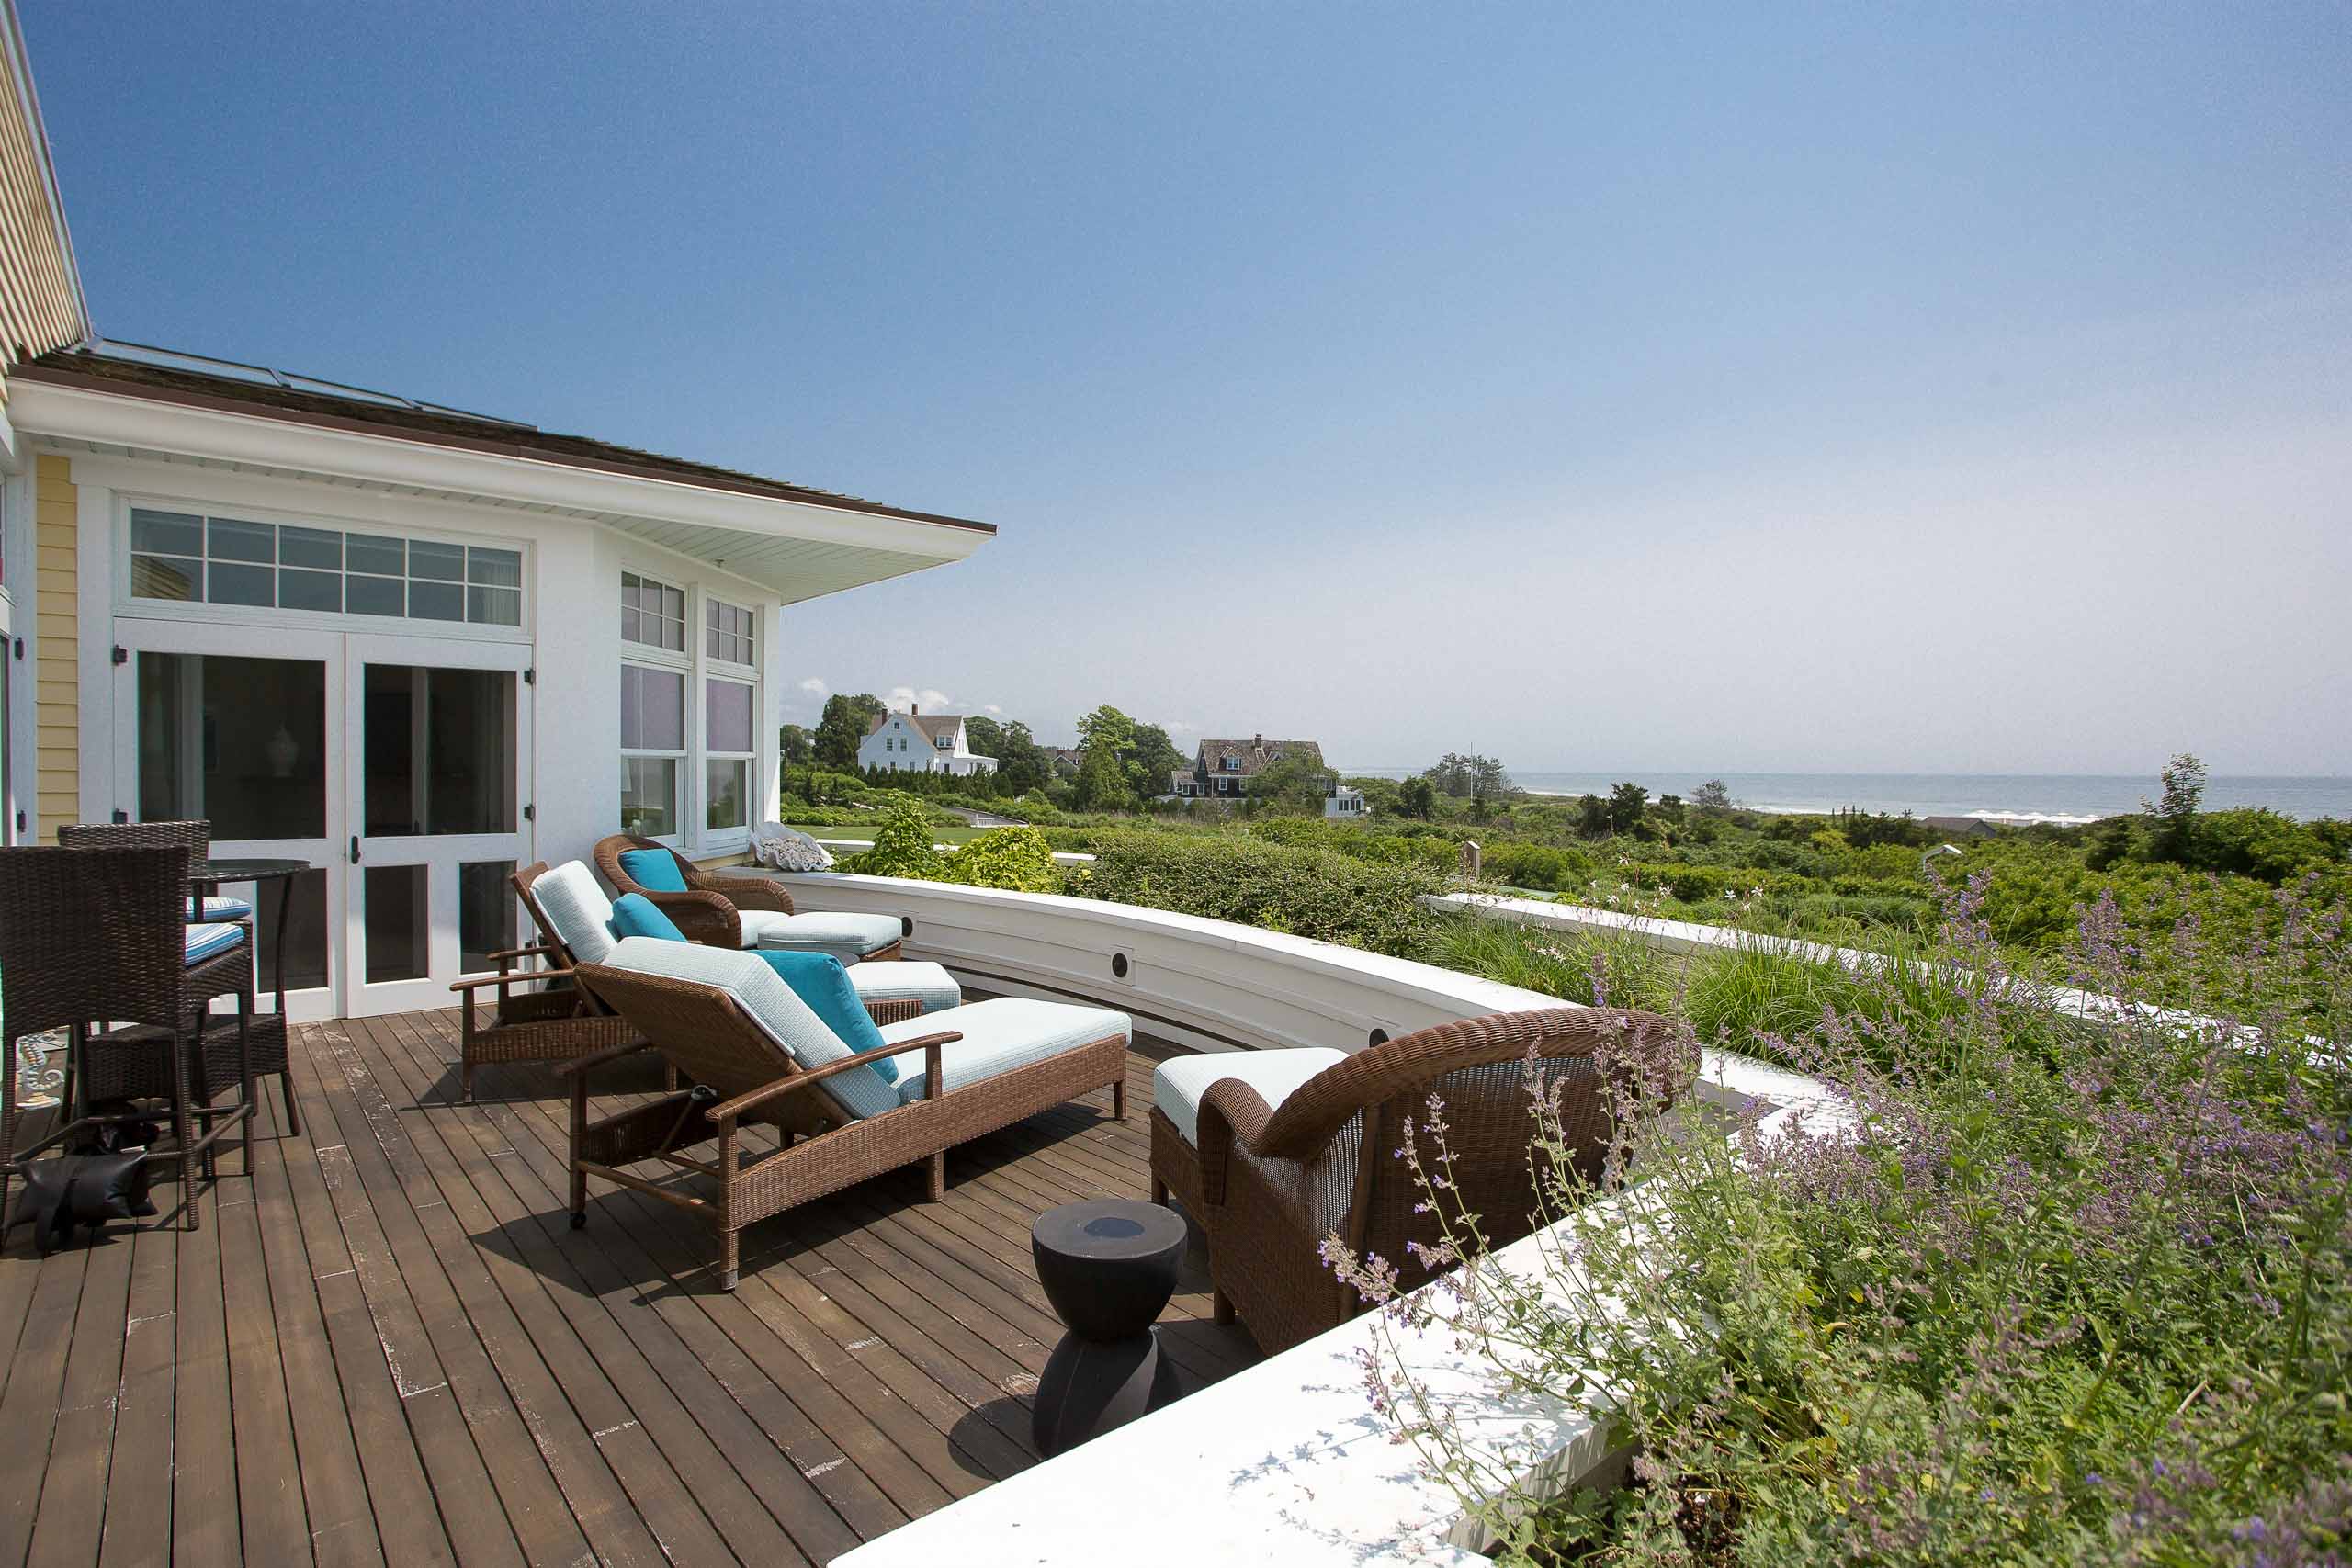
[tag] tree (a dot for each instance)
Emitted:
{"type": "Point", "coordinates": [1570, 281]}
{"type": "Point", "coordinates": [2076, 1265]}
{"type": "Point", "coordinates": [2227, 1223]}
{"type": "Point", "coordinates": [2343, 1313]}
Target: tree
{"type": "Point", "coordinates": [843, 729]}
{"type": "Point", "coordinates": [1471, 777]}
{"type": "Point", "coordinates": [1298, 782]}
{"type": "Point", "coordinates": [2174, 814]}
{"type": "Point", "coordinates": [1102, 781]}
{"type": "Point", "coordinates": [794, 745]}
{"type": "Point", "coordinates": [1592, 815]}
{"type": "Point", "coordinates": [1108, 727]}
{"type": "Point", "coordinates": [1713, 796]}
{"type": "Point", "coordinates": [1020, 764]}
{"type": "Point", "coordinates": [1416, 797]}
{"type": "Point", "coordinates": [1626, 803]}
{"type": "Point", "coordinates": [1153, 763]}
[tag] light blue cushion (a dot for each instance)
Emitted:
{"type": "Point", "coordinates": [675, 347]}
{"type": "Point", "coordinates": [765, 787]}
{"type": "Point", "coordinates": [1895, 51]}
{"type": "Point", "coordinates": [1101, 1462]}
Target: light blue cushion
{"type": "Point", "coordinates": [211, 940]}
{"type": "Point", "coordinates": [767, 1001]}
{"type": "Point", "coordinates": [1000, 1035]}
{"type": "Point", "coordinates": [819, 979]}
{"type": "Point", "coordinates": [220, 909]}
{"type": "Point", "coordinates": [847, 937]}
{"type": "Point", "coordinates": [1183, 1082]}
{"type": "Point", "coordinates": [636, 915]}
{"type": "Point", "coordinates": [577, 909]}
{"type": "Point", "coordinates": [907, 980]}
{"type": "Point", "coordinates": [656, 870]}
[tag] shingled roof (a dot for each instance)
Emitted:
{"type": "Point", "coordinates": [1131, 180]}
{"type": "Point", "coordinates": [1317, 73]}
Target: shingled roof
{"type": "Point", "coordinates": [1257, 754]}
{"type": "Point", "coordinates": [270, 394]}
{"type": "Point", "coordinates": [936, 726]}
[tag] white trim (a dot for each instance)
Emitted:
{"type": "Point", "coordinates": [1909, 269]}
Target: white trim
{"type": "Point", "coordinates": [75, 414]}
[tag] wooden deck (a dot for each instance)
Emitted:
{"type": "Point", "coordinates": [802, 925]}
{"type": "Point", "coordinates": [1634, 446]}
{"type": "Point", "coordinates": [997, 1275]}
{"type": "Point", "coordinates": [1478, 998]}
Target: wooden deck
{"type": "Point", "coordinates": [386, 1344]}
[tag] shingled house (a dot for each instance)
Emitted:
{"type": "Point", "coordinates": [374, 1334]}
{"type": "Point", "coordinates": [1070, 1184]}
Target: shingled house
{"type": "Point", "coordinates": [923, 743]}
{"type": "Point", "coordinates": [1222, 770]}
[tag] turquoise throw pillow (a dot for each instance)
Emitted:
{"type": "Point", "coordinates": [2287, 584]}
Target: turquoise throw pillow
{"type": "Point", "coordinates": [636, 915]}
{"type": "Point", "coordinates": [656, 870]}
{"type": "Point", "coordinates": [819, 979]}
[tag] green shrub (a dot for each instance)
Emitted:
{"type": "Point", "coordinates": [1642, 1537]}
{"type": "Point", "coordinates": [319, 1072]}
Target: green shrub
{"type": "Point", "coordinates": [1018, 858]}
{"type": "Point", "coordinates": [902, 844]}
{"type": "Point", "coordinates": [1308, 892]}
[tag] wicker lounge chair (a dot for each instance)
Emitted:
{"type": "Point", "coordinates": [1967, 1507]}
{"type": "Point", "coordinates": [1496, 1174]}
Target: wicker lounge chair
{"type": "Point", "coordinates": [744, 912]}
{"type": "Point", "coordinates": [533, 1015]}
{"type": "Point", "coordinates": [1267, 1150]}
{"type": "Point", "coordinates": [727, 1022]}
{"type": "Point", "coordinates": [574, 920]}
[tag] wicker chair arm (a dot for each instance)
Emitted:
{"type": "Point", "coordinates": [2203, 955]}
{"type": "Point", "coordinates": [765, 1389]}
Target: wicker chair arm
{"type": "Point", "coordinates": [744, 892]}
{"type": "Point", "coordinates": [700, 917]}
{"type": "Point", "coordinates": [751, 1098]}
{"type": "Point", "coordinates": [507, 959]}
{"type": "Point", "coordinates": [1232, 1111]}
{"type": "Point", "coordinates": [594, 1059]}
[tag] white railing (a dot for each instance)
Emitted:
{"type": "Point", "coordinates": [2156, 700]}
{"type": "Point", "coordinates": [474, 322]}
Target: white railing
{"type": "Point", "coordinates": [1285, 1461]}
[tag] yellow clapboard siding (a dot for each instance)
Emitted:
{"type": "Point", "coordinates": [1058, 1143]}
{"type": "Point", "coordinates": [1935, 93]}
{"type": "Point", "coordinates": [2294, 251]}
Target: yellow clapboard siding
{"type": "Point", "coordinates": [57, 703]}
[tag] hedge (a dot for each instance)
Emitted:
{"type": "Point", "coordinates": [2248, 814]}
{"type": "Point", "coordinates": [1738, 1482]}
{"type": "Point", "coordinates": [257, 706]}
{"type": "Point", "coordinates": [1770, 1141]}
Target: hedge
{"type": "Point", "coordinates": [1307, 892]}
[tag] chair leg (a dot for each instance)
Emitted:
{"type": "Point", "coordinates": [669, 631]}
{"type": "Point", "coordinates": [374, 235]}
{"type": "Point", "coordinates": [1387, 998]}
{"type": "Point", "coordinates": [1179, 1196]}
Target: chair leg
{"type": "Point", "coordinates": [1220, 1308]}
{"type": "Point", "coordinates": [189, 1218]}
{"type": "Point", "coordinates": [245, 1073]}
{"type": "Point", "coordinates": [1119, 1100]}
{"type": "Point", "coordinates": [938, 1174]}
{"type": "Point", "coordinates": [285, 1092]}
{"type": "Point", "coordinates": [1159, 1191]}
{"type": "Point", "coordinates": [465, 1083]}
{"type": "Point", "coordinates": [730, 1258]}
{"type": "Point", "coordinates": [578, 1125]}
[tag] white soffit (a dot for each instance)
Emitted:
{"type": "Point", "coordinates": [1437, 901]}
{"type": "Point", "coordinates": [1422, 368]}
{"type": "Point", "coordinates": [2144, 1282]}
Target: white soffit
{"type": "Point", "coordinates": [801, 550]}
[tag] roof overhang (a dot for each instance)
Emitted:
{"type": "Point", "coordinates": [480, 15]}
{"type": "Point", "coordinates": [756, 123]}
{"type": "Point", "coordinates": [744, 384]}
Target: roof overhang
{"type": "Point", "coordinates": [800, 548]}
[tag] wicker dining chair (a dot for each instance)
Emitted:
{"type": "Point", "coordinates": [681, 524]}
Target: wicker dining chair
{"type": "Point", "coordinates": [110, 946]}
{"type": "Point", "coordinates": [708, 910]}
{"type": "Point", "coordinates": [1272, 1182]}
{"type": "Point", "coordinates": [129, 1078]}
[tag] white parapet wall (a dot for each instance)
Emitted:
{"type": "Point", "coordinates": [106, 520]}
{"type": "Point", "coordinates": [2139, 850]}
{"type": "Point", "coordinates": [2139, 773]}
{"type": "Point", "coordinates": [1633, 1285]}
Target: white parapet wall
{"type": "Point", "coordinates": [1208, 984]}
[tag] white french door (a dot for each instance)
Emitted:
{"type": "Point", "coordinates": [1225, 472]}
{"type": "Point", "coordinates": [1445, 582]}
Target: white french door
{"type": "Point", "coordinates": [397, 767]}
{"type": "Point", "coordinates": [434, 792]}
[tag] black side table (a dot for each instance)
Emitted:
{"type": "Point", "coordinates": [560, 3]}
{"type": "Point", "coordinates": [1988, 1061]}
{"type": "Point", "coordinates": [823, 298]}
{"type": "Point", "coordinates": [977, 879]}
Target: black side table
{"type": "Point", "coordinates": [1108, 1266]}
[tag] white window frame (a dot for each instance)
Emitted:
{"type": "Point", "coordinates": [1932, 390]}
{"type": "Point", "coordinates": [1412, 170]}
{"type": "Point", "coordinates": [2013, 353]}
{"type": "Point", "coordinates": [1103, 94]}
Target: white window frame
{"type": "Point", "coordinates": [696, 667]}
{"type": "Point", "coordinates": [689, 647]}
{"type": "Point", "coordinates": [127, 603]}
{"type": "Point", "coordinates": [17, 732]}
{"type": "Point", "coordinates": [680, 664]}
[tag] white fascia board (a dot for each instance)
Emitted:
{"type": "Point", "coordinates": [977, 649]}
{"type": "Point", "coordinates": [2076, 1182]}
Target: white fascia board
{"type": "Point", "coordinates": [144, 423]}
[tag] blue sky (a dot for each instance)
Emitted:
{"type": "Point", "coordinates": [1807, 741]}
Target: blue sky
{"type": "Point", "coordinates": [1740, 389]}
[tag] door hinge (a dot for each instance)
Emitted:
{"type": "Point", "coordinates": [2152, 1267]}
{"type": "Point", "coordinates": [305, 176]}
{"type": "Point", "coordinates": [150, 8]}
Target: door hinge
{"type": "Point", "coordinates": [531, 675]}
{"type": "Point", "coordinates": [121, 815]}
{"type": "Point", "coordinates": [121, 654]}
{"type": "Point", "coordinates": [21, 824]}
{"type": "Point", "coordinates": [20, 649]}
{"type": "Point", "coordinates": [530, 813]}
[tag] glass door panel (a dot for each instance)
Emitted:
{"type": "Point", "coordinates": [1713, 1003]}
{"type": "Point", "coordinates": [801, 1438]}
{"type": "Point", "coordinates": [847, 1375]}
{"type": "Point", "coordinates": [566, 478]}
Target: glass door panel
{"type": "Point", "coordinates": [435, 789]}
{"type": "Point", "coordinates": [233, 727]}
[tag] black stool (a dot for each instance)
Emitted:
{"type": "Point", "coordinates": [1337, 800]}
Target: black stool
{"type": "Point", "coordinates": [1108, 1266]}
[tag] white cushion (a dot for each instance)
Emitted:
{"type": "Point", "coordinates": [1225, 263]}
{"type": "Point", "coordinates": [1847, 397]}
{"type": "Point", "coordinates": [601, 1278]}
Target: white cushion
{"type": "Point", "coordinates": [1000, 1035]}
{"type": "Point", "coordinates": [577, 908]}
{"type": "Point", "coordinates": [1183, 1082]}
{"type": "Point", "coordinates": [909, 980]}
{"type": "Point", "coordinates": [847, 937]}
{"type": "Point", "coordinates": [772, 1004]}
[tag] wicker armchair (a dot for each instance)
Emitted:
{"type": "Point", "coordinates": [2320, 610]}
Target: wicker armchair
{"type": "Point", "coordinates": [1272, 1182]}
{"type": "Point", "coordinates": [104, 937]}
{"type": "Point", "coordinates": [708, 910]}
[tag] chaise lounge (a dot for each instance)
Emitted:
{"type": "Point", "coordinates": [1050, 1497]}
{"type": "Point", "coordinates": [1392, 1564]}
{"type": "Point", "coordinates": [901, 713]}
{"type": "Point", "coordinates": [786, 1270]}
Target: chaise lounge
{"type": "Point", "coordinates": [757, 1052]}
{"type": "Point", "coordinates": [740, 911]}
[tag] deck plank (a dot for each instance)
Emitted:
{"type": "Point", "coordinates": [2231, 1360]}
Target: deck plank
{"type": "Point", "coordinates": [386, 1344]}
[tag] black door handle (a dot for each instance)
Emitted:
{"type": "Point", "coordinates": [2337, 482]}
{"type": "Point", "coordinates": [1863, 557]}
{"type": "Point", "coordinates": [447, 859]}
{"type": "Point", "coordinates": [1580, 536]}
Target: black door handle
{"type": "Point", "coordinates": [355, 849]}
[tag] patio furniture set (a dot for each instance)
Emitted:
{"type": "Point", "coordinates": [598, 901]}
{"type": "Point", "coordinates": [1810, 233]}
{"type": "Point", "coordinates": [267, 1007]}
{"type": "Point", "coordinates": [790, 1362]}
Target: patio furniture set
{"type": "Point", "coordinates": [857, 1061]}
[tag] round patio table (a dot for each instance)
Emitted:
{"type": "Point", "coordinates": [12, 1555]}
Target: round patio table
{"type": "Point", "coordinates": [1108, 1266]}
{"type": "Point", "coordinates": [206, 879]}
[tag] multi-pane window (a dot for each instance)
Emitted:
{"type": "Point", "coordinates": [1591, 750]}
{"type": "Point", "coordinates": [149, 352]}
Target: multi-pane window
{"type": "Point", "coordinates": [652, 612]}
{"type": "Point", "coordinates": [187, 559]}
{"type": "Point", "coordinates": [653, 749]}
{"type": "Point", "coordinates": [727, 711]}
{"type": "Point", "coordinates": [727, 635]}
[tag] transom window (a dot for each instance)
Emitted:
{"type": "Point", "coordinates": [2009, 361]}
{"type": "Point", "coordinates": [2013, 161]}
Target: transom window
{"type": "Point", "coordinates": [729, 635]}
{"type": "Point", "coordinates": [187, 559]}
{"type": "Point", "coordinates": [653, 612]}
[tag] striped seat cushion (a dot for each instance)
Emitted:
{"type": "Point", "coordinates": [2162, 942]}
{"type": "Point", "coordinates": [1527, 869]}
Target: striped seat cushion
{"type": "Point", "coordinates": [220, 909]}
{"type": "Point", "coordinates": [576, 906]}
{"type": "Point", "coordinates": [211, 940]}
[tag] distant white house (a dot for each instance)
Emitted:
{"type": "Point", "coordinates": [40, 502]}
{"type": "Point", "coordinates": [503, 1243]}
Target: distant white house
{"type": "Point", "coordinates": [1222, 770]}
{"type": "Point", "coordinates": [923, 743]}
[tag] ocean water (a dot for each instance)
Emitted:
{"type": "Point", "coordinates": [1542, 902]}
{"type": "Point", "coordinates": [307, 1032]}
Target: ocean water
{"type": "Point", "coordinates": [1999, 797]}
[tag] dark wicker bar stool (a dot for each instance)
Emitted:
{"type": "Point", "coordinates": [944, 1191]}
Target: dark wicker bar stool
{"type": "Point", "coordinates": [97, 944]}
{"type": "Point", "coordinates": [121, 1076]}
